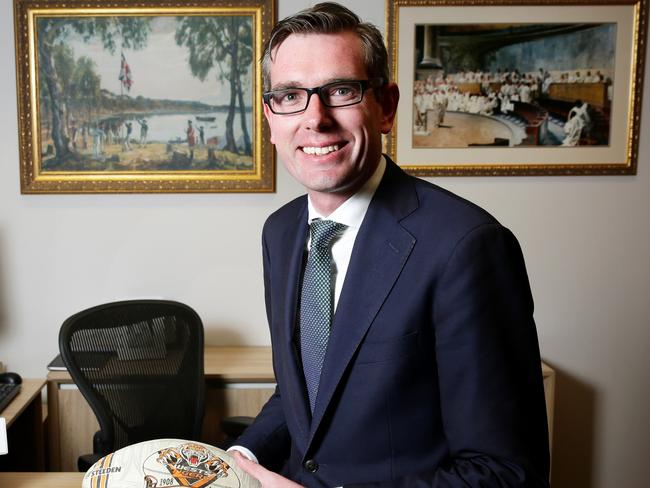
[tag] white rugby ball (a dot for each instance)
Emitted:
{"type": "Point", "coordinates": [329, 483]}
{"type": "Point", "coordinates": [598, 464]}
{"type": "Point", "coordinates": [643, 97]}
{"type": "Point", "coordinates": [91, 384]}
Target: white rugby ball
{"type": "Point", "coordinates": [168, 463]}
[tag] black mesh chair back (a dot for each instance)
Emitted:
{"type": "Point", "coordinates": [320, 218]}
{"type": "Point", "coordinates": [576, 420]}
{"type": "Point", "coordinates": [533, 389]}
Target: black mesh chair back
{"type": "Point", "coordinates": [139, 364]}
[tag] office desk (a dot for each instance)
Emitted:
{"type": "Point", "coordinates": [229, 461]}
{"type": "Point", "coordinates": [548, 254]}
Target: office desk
{"type": "Point", "coordinates": [24, 417]}
{"type": "Point", "coordinates": [239, 380]}
{"type": "Point", "coordinates": [41, 480]}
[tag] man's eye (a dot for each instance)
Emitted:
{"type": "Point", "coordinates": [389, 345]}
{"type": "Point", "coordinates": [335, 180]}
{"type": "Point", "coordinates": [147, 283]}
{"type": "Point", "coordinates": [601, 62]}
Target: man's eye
{"type": "Point", "coordinates": [342, 91]}
{"type": "Point", "coordinates": [345, 91]}
{"type": "Point", "coordinates": [287, 97]}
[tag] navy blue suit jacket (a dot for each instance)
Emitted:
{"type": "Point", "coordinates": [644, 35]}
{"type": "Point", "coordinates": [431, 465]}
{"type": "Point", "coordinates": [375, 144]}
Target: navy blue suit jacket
{"type": "Point", "coordinates": [432, 375]}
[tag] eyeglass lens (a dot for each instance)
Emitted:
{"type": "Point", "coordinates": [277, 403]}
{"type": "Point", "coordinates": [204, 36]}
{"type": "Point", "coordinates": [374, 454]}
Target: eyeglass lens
{"type": "Point", "coordinates": [337, 94]}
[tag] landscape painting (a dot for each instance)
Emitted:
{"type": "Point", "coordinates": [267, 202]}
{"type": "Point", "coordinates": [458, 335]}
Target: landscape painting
{"type": "Point", "coordinates": [130, 100]}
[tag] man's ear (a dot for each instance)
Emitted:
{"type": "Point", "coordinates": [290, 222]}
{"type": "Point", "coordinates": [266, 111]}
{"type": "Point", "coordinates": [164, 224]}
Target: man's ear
{"type": "Point", "coordinates": [388, 102]}
{"type": "Point", "coordinates": [269, 119]}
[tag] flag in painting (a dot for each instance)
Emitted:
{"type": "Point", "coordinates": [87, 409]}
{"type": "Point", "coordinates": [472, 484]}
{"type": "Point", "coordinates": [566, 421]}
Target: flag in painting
{"type": "Point", "coordinates": [125, 74]}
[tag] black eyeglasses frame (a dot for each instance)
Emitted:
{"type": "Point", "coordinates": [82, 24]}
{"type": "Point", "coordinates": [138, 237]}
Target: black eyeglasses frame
{"type": "Point", "coordinates": [365, 85]}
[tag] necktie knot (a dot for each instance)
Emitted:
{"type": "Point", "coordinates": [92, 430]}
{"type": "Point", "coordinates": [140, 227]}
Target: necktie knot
{"type": "Point", "coordinates": [323, 231]}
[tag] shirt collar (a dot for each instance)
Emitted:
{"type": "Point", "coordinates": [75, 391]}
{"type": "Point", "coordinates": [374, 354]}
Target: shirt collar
{"type": "Point", "coordinates": [353, 210]}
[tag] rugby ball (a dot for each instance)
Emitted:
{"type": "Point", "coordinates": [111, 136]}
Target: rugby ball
{"type": "Point", "coordinates": [165, 463]}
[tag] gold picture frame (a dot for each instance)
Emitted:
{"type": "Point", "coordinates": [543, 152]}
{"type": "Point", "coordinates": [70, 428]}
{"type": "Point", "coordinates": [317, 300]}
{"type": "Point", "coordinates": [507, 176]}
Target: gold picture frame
{"type": "Point", "coordinates": [430, 40]}
{"type": "Point", "coordinates": [145, 96]}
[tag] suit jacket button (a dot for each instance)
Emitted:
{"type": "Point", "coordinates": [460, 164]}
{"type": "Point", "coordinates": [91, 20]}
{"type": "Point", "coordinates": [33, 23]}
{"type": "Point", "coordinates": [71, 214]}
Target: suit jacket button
{"type": "Point", "coordinates": [311, 465]}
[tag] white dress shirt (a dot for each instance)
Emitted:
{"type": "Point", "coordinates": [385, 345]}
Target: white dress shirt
{"type": "Point", "coordinates": [351, 213]}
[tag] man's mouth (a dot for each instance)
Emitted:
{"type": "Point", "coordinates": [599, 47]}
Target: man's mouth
{"type": "Point", "coordinates": [320, 151]}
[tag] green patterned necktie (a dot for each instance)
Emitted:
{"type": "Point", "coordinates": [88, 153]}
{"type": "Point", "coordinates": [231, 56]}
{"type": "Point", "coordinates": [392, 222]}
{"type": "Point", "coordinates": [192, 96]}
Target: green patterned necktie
{"type": "Point", "coordinates": [316, 303]}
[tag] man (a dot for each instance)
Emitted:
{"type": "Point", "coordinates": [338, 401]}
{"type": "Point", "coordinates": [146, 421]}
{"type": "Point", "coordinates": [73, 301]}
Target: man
{"type": "Point", "coordinates": [191, 139]}
{"type": "Point", "coordinates": [126, 145]}
{"type": "Point", "coordinates": [98, 135]}
{"type": "Point", "coordinates": [578, 124]}
{"type": "Point", "coordinates": [431, 370]}
{"type": "Point", "coordinates": [144, 131]}
{"type": "Point", "coordinates": [422, 103]}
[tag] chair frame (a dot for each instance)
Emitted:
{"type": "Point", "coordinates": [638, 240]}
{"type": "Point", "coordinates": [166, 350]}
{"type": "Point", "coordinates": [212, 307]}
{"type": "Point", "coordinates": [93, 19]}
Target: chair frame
{"type": "Point", "coordinates": [104, 439]}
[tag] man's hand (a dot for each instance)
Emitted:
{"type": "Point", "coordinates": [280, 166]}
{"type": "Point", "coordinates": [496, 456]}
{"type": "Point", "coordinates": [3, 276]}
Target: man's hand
{"type": "Point", "coordinates": [267, 478]}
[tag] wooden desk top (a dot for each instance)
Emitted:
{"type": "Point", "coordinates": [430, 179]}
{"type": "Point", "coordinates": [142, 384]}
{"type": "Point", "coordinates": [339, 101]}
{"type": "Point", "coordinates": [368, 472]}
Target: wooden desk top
{"type": "Point", "coordinates": [28, 391]}
{"type": "Point", "coordinates": [241, 363]}
{"type": "Point", "coordinates": [41, 480]}
{"type": "Point", "coordinates": [227, 363]}
{"type": "Point", "coordinates": [237, 364]}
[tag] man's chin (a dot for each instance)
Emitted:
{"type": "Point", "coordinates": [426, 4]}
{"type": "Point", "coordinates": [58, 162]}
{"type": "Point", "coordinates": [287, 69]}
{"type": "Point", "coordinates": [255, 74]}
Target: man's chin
{"type": "Point", "coordinates": [334, 186]}
{"type": "Point", "coordinates": [322, 186]}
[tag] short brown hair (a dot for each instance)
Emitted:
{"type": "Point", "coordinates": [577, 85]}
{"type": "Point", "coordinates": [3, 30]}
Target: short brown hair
{"type": "Point", "coordinates": [329, 18]}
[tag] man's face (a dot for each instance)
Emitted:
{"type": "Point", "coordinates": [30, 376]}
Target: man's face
{"type": "Point", "coordinates": [331, 151]}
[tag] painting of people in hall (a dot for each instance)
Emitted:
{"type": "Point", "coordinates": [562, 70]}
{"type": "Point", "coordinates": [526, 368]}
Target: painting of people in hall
{"type": "Point", "coordinates": [513, 85]}
{"type": "Point", "coordinates": [146, 93]}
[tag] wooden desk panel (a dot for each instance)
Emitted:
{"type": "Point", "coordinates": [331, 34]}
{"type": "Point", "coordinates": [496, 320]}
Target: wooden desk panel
{"type": "Point", "coordinates": [549, 395]}
{"type": "Point", "coordinates": [77, 425]}
{"type": "Point", "coordinates": [41, 480]}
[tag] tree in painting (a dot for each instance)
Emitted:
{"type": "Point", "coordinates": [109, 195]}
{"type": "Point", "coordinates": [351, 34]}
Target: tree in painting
{"type": "Point", "coordinates": [127, 32]}
{"type": "Point", "coordinates": [223, 44]}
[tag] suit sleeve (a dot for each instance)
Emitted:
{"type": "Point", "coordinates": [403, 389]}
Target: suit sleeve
{"type": "Point", "coordinates": [488, 363]}
{"type": "Point", "coordinates": [268, 437]}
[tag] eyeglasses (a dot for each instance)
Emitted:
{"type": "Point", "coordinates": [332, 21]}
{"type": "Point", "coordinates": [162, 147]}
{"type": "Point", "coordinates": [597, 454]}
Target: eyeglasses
{"type": "Point", "coordinates": [336, 94]}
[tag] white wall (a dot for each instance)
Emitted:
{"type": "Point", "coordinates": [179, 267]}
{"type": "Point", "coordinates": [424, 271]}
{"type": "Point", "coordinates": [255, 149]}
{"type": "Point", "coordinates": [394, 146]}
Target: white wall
{"type": "Point", "coordinates": [586, 241]}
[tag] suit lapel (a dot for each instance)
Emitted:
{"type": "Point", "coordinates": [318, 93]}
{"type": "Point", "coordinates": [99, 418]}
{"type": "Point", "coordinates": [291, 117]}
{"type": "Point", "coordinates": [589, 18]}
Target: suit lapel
{"type": "Point", "coordinates": [292, 365]}
{"type": "Point", "coordinates": [381, 249]}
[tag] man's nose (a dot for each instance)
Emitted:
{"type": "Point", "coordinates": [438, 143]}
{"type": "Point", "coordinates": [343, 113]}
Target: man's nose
{"type": "Point", "coordinates": [317, 115]}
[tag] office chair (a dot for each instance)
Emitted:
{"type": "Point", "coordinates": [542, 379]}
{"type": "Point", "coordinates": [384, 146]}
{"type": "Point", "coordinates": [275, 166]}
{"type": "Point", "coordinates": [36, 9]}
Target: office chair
{"type": "Point", "coordinates": [139, 364]}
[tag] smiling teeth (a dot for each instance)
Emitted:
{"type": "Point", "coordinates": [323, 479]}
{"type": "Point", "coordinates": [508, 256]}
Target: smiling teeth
{"type": "Point", "coordinates": [320, 151]}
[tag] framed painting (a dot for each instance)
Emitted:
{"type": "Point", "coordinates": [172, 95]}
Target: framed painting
{"type": "Point", "coordinates": [517, 87]}
{"type": "Point", "coordinates": [146, 96]}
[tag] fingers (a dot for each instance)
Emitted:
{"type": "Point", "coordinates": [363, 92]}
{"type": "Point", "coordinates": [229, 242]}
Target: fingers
{"type": "Point", "coordinates": [249, 466]}
{"type": "Point", "coordinates": [267, 478]}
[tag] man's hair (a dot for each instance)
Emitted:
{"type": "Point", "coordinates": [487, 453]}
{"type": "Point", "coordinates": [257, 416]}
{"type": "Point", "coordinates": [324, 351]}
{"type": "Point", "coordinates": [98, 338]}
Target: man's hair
{"type": "Point", "coordinates": [329, 18]}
